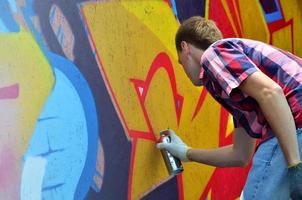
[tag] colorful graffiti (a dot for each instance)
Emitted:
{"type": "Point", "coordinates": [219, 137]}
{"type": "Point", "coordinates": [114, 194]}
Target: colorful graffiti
{"type": "Point", "coordinates": [86, 86]}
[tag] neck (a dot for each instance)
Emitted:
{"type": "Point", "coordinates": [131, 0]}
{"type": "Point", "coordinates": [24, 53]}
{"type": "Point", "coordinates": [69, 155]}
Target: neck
{"type": "Point", "coordinates": [196, 53]}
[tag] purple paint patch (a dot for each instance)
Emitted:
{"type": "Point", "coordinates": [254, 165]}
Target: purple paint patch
{"type": "Point", "coordinates": [9, 92]}
{"type": "Point", "coordinates": [269, 6]}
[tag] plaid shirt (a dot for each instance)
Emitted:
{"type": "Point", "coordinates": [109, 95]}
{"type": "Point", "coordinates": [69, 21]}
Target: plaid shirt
{"type": "Point", "coordinates": [228, 62]}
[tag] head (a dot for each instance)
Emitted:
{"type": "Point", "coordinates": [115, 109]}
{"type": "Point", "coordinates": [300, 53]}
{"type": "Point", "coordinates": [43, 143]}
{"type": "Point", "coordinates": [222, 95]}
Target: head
{"type": "Point", "coordinates": [193, 37]}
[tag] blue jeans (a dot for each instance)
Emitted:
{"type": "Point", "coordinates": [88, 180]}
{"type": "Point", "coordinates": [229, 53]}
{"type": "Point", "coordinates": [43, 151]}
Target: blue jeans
{"type": "Point", "coordinates": [267, 178]}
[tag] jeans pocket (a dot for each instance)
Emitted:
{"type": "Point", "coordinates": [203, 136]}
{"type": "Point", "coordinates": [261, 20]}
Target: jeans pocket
{"type": "Point", "coordinates": [266, 152]}
{"type": "Point", "coordinates": [259, 172]}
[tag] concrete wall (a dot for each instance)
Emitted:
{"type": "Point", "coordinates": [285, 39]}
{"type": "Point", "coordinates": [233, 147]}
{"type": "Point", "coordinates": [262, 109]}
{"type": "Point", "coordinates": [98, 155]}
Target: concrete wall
{"type": "Point", "coordinates": [86, 86]}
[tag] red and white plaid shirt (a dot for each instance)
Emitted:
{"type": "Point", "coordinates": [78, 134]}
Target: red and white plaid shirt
{"type": "Point", "coordinates": [228, 62]}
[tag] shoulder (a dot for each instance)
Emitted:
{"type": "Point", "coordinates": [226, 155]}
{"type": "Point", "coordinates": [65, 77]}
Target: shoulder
{"type": "Point", "coordinates": [236, 46]}
{"type": "Point", "coordinates": [237, 43]}
{"type": "Point", "coordinates": [226, 41]}
{"type": "Point", "coordinates": [226, 44]}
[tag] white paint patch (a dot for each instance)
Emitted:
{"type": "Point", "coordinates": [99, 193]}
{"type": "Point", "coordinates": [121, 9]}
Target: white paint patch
{"type": "Point", "coordinates": [32, 178]}
{"type": "Point", "coordinates": [241, 196]}
{"type": "Point", "coordinates": [141, 90]}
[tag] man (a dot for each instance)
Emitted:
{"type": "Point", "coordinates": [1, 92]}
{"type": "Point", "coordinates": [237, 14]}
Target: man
{"type": "Point", "coordinates": [261, 86]}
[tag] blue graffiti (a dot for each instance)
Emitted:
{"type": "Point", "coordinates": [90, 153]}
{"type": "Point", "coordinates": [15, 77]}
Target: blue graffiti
{"type": "Point", "coordinates": [271, 10]}
{"type": "Point", "coordinates": [188, 8]}
{"type": "Point", "coordinates": [66, 135]}
{"type": "Point", "coordinates": [7, 21]}
{"type": "Point", "coordinates": [28, 13]}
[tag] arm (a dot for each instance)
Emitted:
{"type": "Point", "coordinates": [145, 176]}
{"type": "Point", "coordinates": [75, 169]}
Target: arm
{"type": "Point", "coordinates": [275, 108]}
{"type": "Point", "coordinates": [237, 154]}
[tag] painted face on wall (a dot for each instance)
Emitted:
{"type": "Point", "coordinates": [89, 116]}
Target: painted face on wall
{"type": "Point", "coordinates": [190, 62]}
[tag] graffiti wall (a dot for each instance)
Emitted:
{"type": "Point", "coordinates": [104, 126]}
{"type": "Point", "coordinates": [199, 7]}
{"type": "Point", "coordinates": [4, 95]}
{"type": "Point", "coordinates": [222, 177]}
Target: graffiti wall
{"type": "Point", "coordinates": [86, 86]}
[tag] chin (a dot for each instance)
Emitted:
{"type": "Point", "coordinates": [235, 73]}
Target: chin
{"type": "Point", "coordinates": [197, 83]}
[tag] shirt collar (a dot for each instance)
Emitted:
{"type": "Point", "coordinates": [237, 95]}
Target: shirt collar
{"type": "Point", "coordinates": [201, 73]}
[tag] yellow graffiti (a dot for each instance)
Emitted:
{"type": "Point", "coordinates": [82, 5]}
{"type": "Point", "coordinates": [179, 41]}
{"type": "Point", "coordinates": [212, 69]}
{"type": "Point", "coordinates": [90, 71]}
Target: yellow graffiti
{"type": "Point", "coordinates": [23, 65]}
{"type": "Point", "coordinates": [149, 33]}
{"type": "Point", "coordinates": [291, 10]}
{"type": "Point", "coordinates": [253, 22]}
{"type": "Point", "coordinates": [128, 35]}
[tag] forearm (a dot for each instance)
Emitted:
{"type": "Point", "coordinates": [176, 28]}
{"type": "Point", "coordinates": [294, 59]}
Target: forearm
{"type": "Point", "coordinates": [219, 157]}
{"type": "Point", "coordinates": [279, 116]}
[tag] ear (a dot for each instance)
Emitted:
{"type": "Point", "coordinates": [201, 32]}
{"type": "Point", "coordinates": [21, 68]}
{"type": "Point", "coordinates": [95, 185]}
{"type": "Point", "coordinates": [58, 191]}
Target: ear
{"type": "Point", "coordinates": [185, 46]}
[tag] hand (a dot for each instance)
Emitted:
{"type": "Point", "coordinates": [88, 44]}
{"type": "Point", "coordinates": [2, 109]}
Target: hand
{"type": "Point", "coordinates": [295, 178]}
{"type": "Point", "coordinates": [176, 147]}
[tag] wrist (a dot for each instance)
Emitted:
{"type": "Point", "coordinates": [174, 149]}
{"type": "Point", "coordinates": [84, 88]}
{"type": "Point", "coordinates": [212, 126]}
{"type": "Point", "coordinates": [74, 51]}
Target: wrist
{"type": "Point", "coordinates": [188, 154]}
{"type": "Point", "coordinates": [295, 165]}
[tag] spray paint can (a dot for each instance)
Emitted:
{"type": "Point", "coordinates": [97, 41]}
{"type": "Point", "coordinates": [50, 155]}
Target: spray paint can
{"type": "Point", "coordinates": [172, 163]}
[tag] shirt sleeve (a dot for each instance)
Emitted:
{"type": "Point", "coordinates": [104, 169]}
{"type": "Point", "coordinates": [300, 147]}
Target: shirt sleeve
{"type": "Point", "coordinates": [227, 63]}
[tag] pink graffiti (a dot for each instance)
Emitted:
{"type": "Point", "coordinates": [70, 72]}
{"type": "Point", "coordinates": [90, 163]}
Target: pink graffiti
{"type": "Point", "coordinates": [9, 92]}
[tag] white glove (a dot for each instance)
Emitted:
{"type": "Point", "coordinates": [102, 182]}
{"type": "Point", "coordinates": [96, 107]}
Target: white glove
{"type": "Point", "coordinates": [176, 147]}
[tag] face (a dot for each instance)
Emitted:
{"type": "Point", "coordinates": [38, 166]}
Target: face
{"type": "Point", "coordinates": [190, 66]}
